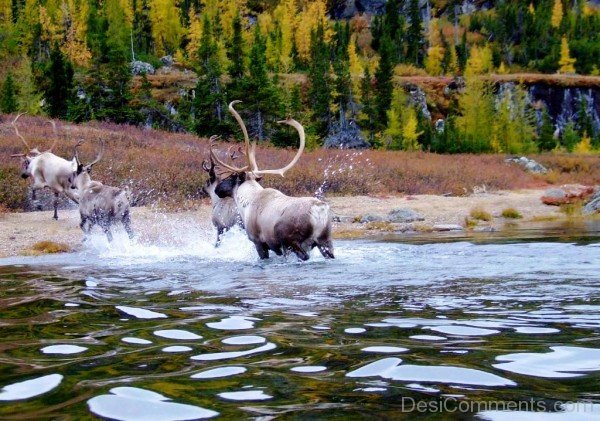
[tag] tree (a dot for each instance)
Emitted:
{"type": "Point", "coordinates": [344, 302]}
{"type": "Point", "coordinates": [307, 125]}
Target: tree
{"type": "Point", "coordinates": [368, 104]}
{"type": "Point", "coordinates": [414, 36]}
{"type": "Point", "coordinates": [546, 140]}
{"type": "Point", "coordinates": [236, 50]}
{"type": "Point", "coordinates": [142, 27]}
{"type": "Point", "coordinates": [8, 95]}
{"type": "Point", "coordinates": [59, 75]}
{"type": "Point", "coordinates": [384, 86]}
{"type": "Point", "coordinates": [570, 138]}
{"type": "Point", "coordinates": [319, 93]}
{"type": "Point", "coordinates": [480, 61]}
{"type": "Point", "coordinates": [410, 134]}
{"type": "Point", "coordinates": [261, 97]}
{"type": "Point", "coordinates": [166, 26]}
{"type": "Point", "coordinates": [566, 63]}
{"type": "Point", "coordinates": [475, 122]}
{"type": "Point", "coordinates": [433, 61]}
{"type": "Point", "coordinates": [557, 14]}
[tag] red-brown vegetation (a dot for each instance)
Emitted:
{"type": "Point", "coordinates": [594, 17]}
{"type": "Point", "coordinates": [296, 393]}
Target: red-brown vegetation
{"type": "Point", "coordinates": [166, 167]}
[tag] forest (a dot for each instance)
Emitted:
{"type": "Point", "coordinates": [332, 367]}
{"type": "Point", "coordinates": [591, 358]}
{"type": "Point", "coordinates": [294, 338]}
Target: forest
{"type": "Point", "coordinates": [82, 60]}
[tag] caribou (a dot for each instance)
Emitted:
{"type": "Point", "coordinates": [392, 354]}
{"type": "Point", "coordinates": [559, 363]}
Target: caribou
{"type": "Point", "coordinates": [274, 221]}
{"type": "Point", "coordinates": [46, 169]}
{"type": "Point", "coordinates": [99, 204]}
{"type": "Point", "coordinates": [224, 211]}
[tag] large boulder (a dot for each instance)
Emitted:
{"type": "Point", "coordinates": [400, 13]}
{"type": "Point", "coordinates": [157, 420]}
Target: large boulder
{"type": "Point", "coordinates": [403, 215]}
{"type": "Point", "coordinates": [345, 135]}
{"type": "Point", "coordinates": [569, 193]}
{"type": "Point", "coordinates": [140, 68]}
{"type": "Point", "coordinates": [528, 164]}
{"type": "Point", "coordinates": [593, 206]}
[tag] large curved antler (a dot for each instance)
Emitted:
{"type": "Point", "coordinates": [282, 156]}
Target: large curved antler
{"type": "Point", "coordinates": [14, 124]}
{"type": "Point", "coordinates": [100, 154]}
{"type": "Point", "coordinates": [76, 152]}
{"type": "Point", "coordinates": [250, 149]}
{"type": "Point", "coordinates": [221, 163]}
{"type": "Point", "coordinates": [55, 135]}
{"type": "Point", "coordinates": [300, 129]}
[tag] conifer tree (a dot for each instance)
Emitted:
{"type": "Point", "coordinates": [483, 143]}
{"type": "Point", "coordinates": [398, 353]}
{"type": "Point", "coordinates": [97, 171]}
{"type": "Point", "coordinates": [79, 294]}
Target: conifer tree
{"type": "Point", "coordinates": [569, 138]}
{"type": "Point", "coordinates": [557, 14]}
{"type": "Point", "coordinates": [566, 63]}
{"type": "Point", "coordinates": [142, 27]}
{"type": "Point", "coordinates": [8, 95]}
{"type": "Point", "coordinates": [209, 102]}
{"type": "Point", "coordinates": [368, 104]}
{"type": "Point", "coordinates": [236, 50]}
{"type": "Point", "coordinates": [59, 75]}
{"type": "Point", "coordinates": [414, 36]}
{"type": "Point", "coordinates": [320, 82]}
{"type": "Point", "coordinates": [260, 94]}
{"type": "Point", "coordinates": [546, 140]}
{"type": "Point", "coordinates": [433, 61]}
{"type": "Point", "coordinates": [475, 123]}
{"type": "Point", "coordinates": [383, 80]}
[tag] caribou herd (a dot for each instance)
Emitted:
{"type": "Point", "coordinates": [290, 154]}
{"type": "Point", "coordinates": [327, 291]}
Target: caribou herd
{"type": "Point", "coordinates": [272, 220]}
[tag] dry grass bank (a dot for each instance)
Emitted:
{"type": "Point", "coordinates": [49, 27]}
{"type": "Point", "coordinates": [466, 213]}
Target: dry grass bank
{"type": "Point", "coordinates": [166, 167]}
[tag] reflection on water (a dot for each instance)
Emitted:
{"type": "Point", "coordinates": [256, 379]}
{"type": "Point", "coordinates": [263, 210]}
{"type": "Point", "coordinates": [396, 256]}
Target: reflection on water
{"type": "Point", "coordinates": [184, 331]}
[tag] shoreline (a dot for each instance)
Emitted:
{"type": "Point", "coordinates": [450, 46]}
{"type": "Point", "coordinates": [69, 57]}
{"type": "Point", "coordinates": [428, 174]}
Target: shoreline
{"type": "Point", "coordinates": [20, 231]}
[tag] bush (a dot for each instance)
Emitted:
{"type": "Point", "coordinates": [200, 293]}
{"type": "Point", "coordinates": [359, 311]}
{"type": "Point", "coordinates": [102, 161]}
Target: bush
{"type": "Point", "coordinates": [480, 214]}
{"type": "Point", "coordinates": [511, 213]}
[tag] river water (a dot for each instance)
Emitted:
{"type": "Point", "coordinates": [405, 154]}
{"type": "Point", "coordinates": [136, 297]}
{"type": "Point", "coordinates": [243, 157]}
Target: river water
{"type": "Point", "coordinates": [390, 328]}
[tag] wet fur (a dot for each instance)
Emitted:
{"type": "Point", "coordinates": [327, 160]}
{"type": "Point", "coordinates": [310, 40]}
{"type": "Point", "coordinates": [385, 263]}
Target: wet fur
{"type": "Point", "coordinates": [102, 205]}
{"type": "Point", "coordinates": [277, 222]}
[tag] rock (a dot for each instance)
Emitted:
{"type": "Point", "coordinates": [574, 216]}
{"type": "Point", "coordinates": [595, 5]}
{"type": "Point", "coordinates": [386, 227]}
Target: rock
{"type": "Point", "coordinates": [167, 60]}
{"type": "Point", "coordinates": [346, 9]}
{"type": "Point", "coordinates": [140, 67]}
{"type": "Point", "coordinates": [371, 218]}
{"type": "Point", "coordinates": [440, 125]}
{"type": "Point", "coordinates": [402, 215]}
{"type": "Point", "coordinates": [593, 206]}
{"type": "Point", "coordinates": [418, 99]}
{"type": "Point", "coordinates": [345, 135]}
{"type": "Point", "coordinates": [569, 193]}
{"type": "Point", "coordinates": [447, 227]}
{"type": "Point", "coordinates": [529, 164]}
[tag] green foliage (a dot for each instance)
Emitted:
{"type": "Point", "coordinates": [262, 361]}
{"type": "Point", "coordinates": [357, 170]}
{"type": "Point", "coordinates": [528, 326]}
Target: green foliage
{"type": "Point", "coordinates": [383, 81]}
{"type": "Point", "coordinates": [59, 78]}
{"type": "Point", "coordinates": [476, 120]}
{"type": "Point", "coordinates": [546, 140]}
{"type": "Point", "coordinates": [8, 95]}
{"type": "Point", "coordinates": [570, 138]}
{"type": "Point", "coordinates": [414, 36]}
{"type": "Point", "coordinates": [320, 81]}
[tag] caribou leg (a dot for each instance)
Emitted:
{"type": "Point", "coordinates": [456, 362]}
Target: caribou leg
{"type": "Point", "coordinates": [127, 225]}
{"type": "Point", "coordinates": [220, 232]}
{"type": "Point", "coordinates": [262, 249]}
{"type": "Point", "coordinates": [299, 251]}
{"type": "Point", "coordinates": [55, 205]}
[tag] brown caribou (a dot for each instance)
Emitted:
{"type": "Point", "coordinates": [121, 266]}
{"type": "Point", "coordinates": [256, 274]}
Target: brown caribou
{"type": "Point", "coordinates": [273, 220]}
{"type": "Point", "coordinates": [99, 204]}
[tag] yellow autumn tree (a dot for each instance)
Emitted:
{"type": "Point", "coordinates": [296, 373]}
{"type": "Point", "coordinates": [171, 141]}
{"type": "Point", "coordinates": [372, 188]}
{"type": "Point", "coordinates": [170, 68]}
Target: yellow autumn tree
{"type": "Point", "coordinates": [74, 20]}
{"type": "Point", "coordinates": [433, 61]}
{"type": "Point", "coordinates": [284, 16]}
{"type": "Point", "coordinates": [166, 26]}
{"type": "Point", "coordinates": [584, 146]}
{"type": "Point", "coordinates": [314, 12]}
{"type": "Point", "coordinates": [557, 14]}
{"type": "Point", "coordinates": [194, 35]}
{"type": "Point", "coordinates": [410, 135]}
{"type": "Point", "coordinates": [566, 63]}
{"type": "Point", "coordinates": [480, 61]}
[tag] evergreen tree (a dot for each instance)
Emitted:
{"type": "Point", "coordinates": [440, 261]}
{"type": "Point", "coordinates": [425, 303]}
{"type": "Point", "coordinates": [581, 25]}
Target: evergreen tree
{"type": "Point", "coordinates": [209, 102]}
{"type": "Point", "coordinates": [414, 36]}
{"type": "Point", "coordinates": [570, 138]}
{"type": "Point", "coordinates": [236, 50]}
{"type": "Point", "coordinates": [368, 104]}
{"type": "Point", "coordinates": [260, 92]}
{"type": "Point", "coordinates": [546, 140]}
{"type": "Point", "coordinates": [320, 82]}
{"type": "Point", "coordinates": [59, 75]}
{"type": "Point", "coordinates": [383, 80]}
{"type": "Point", "coordinates": [566, 63]}
{"type": "Point", "coordinates": [142, 27]}
{"type": "Point", "coordinates": [8, 95]}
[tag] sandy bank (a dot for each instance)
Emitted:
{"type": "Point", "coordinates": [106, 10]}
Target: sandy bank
{"type": "Point", "coordinates": [19, 231]}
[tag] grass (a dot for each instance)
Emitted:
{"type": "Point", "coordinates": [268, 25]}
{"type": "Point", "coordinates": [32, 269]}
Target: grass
{"type": "Point", "coordinates": [572, 210]}
{"type": "Point", "coordinates": [380, 226]}
{"type": "Point", "coordinates": [165, 168]}
{"type": "Point", "coordinates": [470, 223]}
{"type": "Point", "coordinates": [481, 215]}
{"type": "Point", "coordinates": [511, 213]}
{"type": "Point", "coordinates": [47, 247]}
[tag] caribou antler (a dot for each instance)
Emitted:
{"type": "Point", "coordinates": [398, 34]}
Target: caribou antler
{"type": "Point", "coordinates": [76, 152]}
{"type": "Point", "coordinates": [250, 149]}
{"type": "Point", "coordinates": [281, 171]}
{"type": "Point", "coordinates": [100, 154]}
{"type": "Point", "coordinates": [55, 135]}
{"type": "Point", "coordinates": [221, 163]}
{"type": "Point", "coordinates": [14, 124]}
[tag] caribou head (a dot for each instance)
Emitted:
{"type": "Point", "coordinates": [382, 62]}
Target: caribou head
{"type": "Point", "coordinates": [81, 172]}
